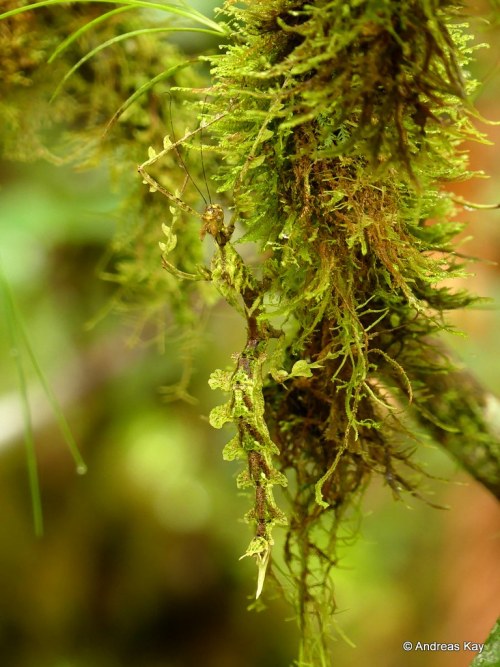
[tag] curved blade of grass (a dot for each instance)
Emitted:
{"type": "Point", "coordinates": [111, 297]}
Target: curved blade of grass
{"type": "Point", "coordinates": [62, 422]}
{"type": "Point", "coordinates": [186, 12]}
{"type": "Point", "coordinates": [88, 26]}
{"type": "Point", "coordinates": [29, 440]}
{"type": "Point", "coordinates": [144, 89]}
{"type": "Point", "coordinates": [115, 40]}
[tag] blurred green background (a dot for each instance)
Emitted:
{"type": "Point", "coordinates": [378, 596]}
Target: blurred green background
{"type": "Point", "coordinates": [138, 565]}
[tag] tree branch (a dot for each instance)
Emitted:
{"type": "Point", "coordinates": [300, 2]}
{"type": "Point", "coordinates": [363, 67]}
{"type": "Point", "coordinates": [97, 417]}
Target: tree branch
{"type": "Point", "coordinates": [461, 415]}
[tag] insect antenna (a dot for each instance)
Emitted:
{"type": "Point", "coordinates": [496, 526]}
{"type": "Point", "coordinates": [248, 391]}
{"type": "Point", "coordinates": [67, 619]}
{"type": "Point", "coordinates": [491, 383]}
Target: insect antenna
{"type": "Point", "coordinates": [201, 150]}
{"type": "Point", "coordinates": [183, 164]}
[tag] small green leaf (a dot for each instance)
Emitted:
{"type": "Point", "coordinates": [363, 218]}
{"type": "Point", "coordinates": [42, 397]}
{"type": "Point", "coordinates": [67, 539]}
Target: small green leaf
{"type": "Point", "coordinates": [278, 477]}
{"type": "Point", "coordinates": [256, 162]}
{"type": "Point", "coordinates": [220, 415]}
{"type": "Point", "coordinates": [171, 239]}
{"type": "Point", "coordinates": [243, 480]}
{"type": "Point", "coordinates": [220, 379]}
{"type": "Point", "coordinates": [233, 451]}
{"type": "Point", "coordinates": [301, 369]}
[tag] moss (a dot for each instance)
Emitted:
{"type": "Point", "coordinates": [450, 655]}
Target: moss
{"type": "Point", "coordinates": [343, 123]}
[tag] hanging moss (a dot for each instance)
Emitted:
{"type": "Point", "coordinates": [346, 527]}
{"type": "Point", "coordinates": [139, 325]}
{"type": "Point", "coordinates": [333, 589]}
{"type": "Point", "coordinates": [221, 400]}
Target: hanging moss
{"type": "Point", "coordinates": [343, 122]}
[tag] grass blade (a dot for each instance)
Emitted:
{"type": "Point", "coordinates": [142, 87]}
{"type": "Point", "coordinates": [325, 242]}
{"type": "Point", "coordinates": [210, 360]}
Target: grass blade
{"type": "Point", "coordinates": [62, 422]}
{"type": "Point", "coordinates": [29, 440]}
{"type": "Point", "coordinates": [144, 89]}
{"type": "Point", "coordinates": [187, 12]}
{"type": "Point", "coordinates": [115, 40]}
{"type": "Point", "coordinates": [88, 26]}
{"type": "Point", "coordinates": [21, 335]}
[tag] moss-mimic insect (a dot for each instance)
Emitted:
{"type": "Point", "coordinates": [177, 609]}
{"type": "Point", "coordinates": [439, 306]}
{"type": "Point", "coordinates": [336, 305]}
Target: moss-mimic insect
{"type": "Point", "coordinates": [236, 283]}
{"type": "Point", "coordinates": [213, 215]}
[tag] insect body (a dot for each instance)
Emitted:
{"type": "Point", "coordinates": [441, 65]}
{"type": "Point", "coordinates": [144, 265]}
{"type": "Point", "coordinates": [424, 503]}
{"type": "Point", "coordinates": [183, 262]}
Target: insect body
{"type": "Point", "coordinates": [240, 289]}
{"type": "Point", "coordinates": [213, 223]}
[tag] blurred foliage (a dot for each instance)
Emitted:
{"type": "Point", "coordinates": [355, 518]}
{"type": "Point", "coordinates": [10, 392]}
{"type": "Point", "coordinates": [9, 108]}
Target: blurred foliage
{"type": "Point", "coordinates": [128, 572]}
{"type": "Point", "coordinates": [489, 657]}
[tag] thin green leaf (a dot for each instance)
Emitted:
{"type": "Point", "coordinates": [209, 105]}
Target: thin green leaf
{"type": "Point", "coordinates": [29, 440]}
{"type": "Point", "coordinates": [88, 26]}
{"type": "Point", "coordinates": [144, 89]}
{"type": "Point", "coordinates": [119, 38]}
{"type": "Point", "coordinates": [188, 12]}
{"type": "Point", "coordinates": [62, 422]}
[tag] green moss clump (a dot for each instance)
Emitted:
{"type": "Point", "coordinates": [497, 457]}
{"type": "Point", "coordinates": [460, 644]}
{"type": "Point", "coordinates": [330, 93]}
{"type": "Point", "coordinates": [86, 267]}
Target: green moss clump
{"type": "Point", "coordinates": [343, 122]}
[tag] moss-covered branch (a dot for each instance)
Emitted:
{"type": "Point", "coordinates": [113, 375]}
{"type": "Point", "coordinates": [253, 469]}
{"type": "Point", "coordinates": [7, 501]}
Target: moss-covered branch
{"type": "Point", "coordinates": [460, 414]}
